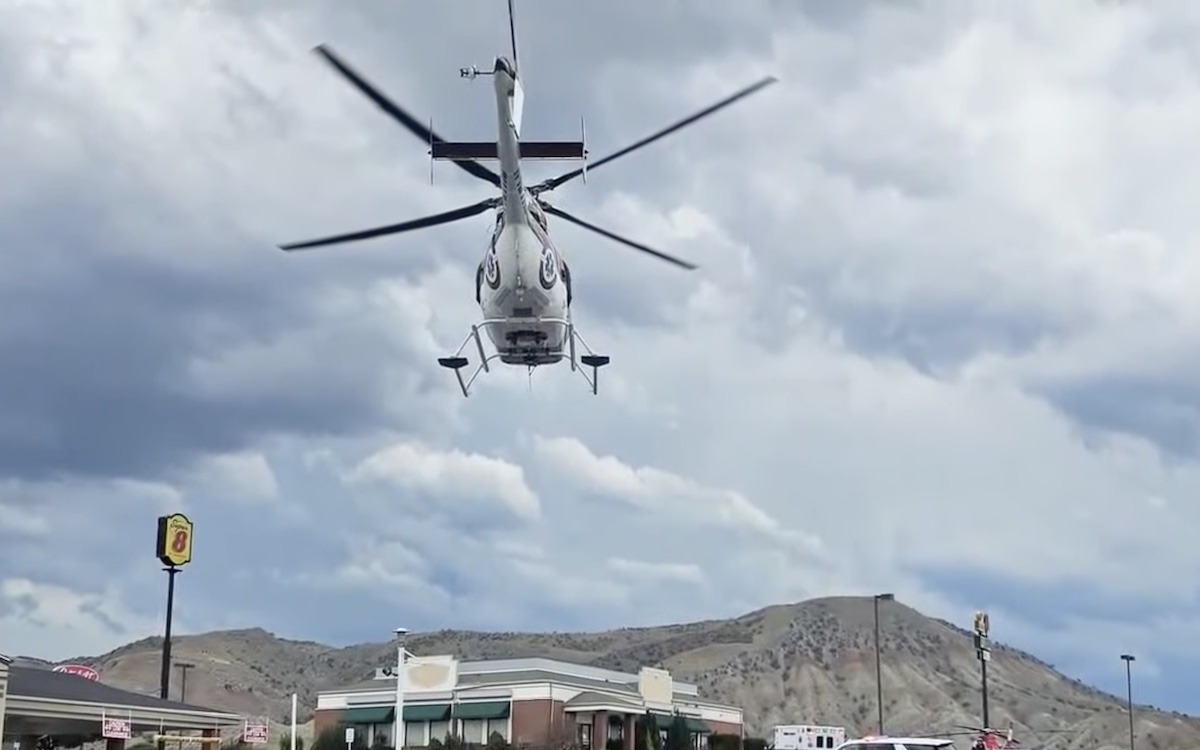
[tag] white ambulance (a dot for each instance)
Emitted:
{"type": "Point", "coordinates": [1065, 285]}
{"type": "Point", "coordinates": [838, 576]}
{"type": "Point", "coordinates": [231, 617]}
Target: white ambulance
{"type": "Point", "coordinates": [806, 737]}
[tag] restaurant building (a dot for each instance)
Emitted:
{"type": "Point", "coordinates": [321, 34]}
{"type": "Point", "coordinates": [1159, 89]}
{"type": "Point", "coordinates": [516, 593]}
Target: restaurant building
{"type": "Point", "coordinates": [529, 702]}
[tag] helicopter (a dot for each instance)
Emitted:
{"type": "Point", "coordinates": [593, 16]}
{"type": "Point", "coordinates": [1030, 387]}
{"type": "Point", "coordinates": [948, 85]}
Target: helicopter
{"type": "Point", "coordinates": [993, 739]}
{"type": "Point", "coordinates": [523, 284]}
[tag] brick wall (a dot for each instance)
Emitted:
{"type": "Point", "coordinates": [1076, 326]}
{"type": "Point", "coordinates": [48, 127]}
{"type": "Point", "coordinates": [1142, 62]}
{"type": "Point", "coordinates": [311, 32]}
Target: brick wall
{"type": "Point", "coordinates": [535, 722]}
{"type": "Point", "coordinates": [325, 719]}
{"type": "Point", "coordinates": [723, 727]}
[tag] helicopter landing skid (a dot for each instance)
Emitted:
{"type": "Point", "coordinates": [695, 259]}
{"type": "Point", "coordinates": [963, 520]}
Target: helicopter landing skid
{"type": "Point", "coordinates": [533, 356]}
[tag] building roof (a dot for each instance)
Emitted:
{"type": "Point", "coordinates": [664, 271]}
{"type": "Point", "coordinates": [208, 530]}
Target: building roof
{"type": "Point", "coordinates": [609, 684]}
{"type": "Point", "coordinates": [44, 684]}
{"type": "Point", "coordinates": [5, 659]}
{"type": "Point", "coordinates": [586, 671]}
{"type": "Point", "coordinates": [589, 698]}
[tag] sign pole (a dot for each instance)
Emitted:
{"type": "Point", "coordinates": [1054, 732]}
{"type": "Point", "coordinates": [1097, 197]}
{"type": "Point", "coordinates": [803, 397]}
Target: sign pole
{"type": "Point", "coordinates": [173, 548]}
{"type": "Point", "coordinates": [164, 688]}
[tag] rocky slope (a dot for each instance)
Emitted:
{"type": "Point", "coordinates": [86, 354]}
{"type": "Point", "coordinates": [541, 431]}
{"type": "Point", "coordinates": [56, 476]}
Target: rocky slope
{"type": "Point", "coordinates": [800, 663]}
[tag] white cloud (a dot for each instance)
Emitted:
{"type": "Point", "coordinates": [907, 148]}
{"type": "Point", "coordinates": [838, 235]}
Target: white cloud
{"type": "Point", "coordinates": [22, 521]}
{"type": "Point", "coordinates": [641, 570]}
{"type": "Point", "coordinates": [663, 493]}
{"type": "Point", "coordinates": [371, 564]}
{"type": "Point", "coordinates": [467, 476]}
{"type": "Point", "coordinates": [54, 622]}
{"type": "Point", "coordinates": [245, 476]}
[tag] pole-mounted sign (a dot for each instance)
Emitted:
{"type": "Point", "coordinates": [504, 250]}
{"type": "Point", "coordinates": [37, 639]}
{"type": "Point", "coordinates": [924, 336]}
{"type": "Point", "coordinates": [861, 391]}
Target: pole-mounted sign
{"type": "Point", "coordinates": [174, 540]}
{"type": "Point", "coordinates": [174, 550]}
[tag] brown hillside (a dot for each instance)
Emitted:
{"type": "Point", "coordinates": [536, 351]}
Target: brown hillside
{"type": "Point", "coordinates": [798, 663]}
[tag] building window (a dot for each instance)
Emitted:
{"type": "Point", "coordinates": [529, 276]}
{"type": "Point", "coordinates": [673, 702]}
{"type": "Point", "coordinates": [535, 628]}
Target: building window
{"type": "Point", "coordinates": [616, 728]}
{"type": "Point", "coordinates": [472, 730]}
{"type": "Point", "coordinates": [583, 736]}
{"type": "Point", "coordinates": [415, 734]}
{"type": "Point", "coordinates": [439, 730]}
{"type": "Point", "coordinates": [497, 726]}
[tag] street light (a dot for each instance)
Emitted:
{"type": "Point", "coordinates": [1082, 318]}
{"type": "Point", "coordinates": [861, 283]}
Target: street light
{"type": "Point", "coordinates": [878, 669]}
{"type": "Point", "coordinates": [398, 739]}
{"type": "Point", "coordinates": [1129, 660]}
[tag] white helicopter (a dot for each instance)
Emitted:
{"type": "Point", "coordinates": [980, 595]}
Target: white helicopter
{"type": "Point", "coordinates": [523, 284]}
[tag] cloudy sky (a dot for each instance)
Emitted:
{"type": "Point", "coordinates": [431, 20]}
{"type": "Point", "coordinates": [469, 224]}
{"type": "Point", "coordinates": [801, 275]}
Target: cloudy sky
{"type": "Point", "coordinates": [942, 342]}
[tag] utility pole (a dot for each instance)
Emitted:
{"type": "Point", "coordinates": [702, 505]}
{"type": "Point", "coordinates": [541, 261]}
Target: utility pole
{"type": "Point", "coordinates": [983, 651]}
{"type": "Point", "coordinates": [183, 668]}
{"type": "Point", "coordinates": [878, 661]}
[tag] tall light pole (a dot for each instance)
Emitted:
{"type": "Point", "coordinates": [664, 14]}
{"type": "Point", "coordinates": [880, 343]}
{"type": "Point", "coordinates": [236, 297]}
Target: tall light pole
{"type": "Point", "coordinates": [1129, 660]}
{"type": "Point", "coordinates": [878, 661]}
{"type": "Point", "coordinates": [398, 740]}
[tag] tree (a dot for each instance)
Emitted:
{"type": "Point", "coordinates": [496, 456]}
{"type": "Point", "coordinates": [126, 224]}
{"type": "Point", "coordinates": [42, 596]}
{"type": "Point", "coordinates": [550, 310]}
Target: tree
{"type": "Point", "coordinates": [561, 738]}
{"type": "Point", "coordinates": [496, 741]}
{"type": "Point", "coordinates": [646, 734]}
{"type": "Point", "coordinates": [332, 738]}
{"type": "Point", "coordinates": [285, 742]}
{"type": "Point", "coordinates": [380, 744]}
{"type": "Point", "coordinates": [679, 735]}
{"type": "Point", "coordinates": [449, 742]}
{"type": "Point", "coordinates": [724, 742]}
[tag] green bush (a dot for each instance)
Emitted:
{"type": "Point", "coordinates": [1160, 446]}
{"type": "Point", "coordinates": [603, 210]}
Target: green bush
{"type": "Point", "coordinates": [724, 742]}
{"type": "Point", "coordinates": [679, 737]}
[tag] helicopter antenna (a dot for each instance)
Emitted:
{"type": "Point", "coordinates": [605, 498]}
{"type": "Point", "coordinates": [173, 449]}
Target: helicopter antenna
{"type": "Point", "coordinates": [512, 35]}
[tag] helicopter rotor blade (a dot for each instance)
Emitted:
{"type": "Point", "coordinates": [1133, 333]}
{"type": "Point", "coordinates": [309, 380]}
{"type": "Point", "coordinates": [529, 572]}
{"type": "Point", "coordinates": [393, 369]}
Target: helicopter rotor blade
{"type": "Point", "coordinates": [555, 182]}
{"type": "Point", "coordinates": [407, 226]}
{"type": "Point", "coordinates": [616, 237]}
{"type": "Point", "coordinates": [399, 114]}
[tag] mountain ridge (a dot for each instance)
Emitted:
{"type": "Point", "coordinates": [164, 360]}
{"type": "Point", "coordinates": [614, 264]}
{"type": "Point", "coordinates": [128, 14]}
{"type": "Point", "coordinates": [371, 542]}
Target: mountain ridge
{"type": "Point", "coordinates": [806, 662]}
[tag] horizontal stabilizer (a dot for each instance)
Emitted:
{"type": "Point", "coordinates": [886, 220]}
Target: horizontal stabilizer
{"type": "Point", "coordinates": [480, 150]}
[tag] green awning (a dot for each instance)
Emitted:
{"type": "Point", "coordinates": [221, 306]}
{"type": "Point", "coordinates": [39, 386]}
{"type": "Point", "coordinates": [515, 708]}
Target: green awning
{"type": "Point", "coordinates": [484, 710]}
{"type": "Point", "coordinates": [427, 712]}
{"type": "Point", "coordinates": [372, 715]}
{"type": "Point", "coordinates": [696, 726]}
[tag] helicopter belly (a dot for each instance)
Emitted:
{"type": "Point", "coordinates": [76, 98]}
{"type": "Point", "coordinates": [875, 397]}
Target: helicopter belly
{"type": "Point", "coordinates": [527, 308]}
{"type": "Point", "coordinates": [530, 327]}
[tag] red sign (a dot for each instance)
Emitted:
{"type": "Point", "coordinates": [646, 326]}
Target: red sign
{"type": "Point", "coordinates": [79, 670]}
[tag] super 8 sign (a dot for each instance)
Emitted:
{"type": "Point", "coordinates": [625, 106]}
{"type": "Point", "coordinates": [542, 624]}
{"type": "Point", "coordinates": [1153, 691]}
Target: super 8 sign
{"type": "Point", "coordinates": [174, 546]}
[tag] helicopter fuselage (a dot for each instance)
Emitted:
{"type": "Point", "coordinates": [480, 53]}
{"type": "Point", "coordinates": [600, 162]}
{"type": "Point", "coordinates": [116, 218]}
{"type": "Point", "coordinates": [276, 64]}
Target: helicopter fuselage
{"type": "Point", "coordinates": [522, 284]}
